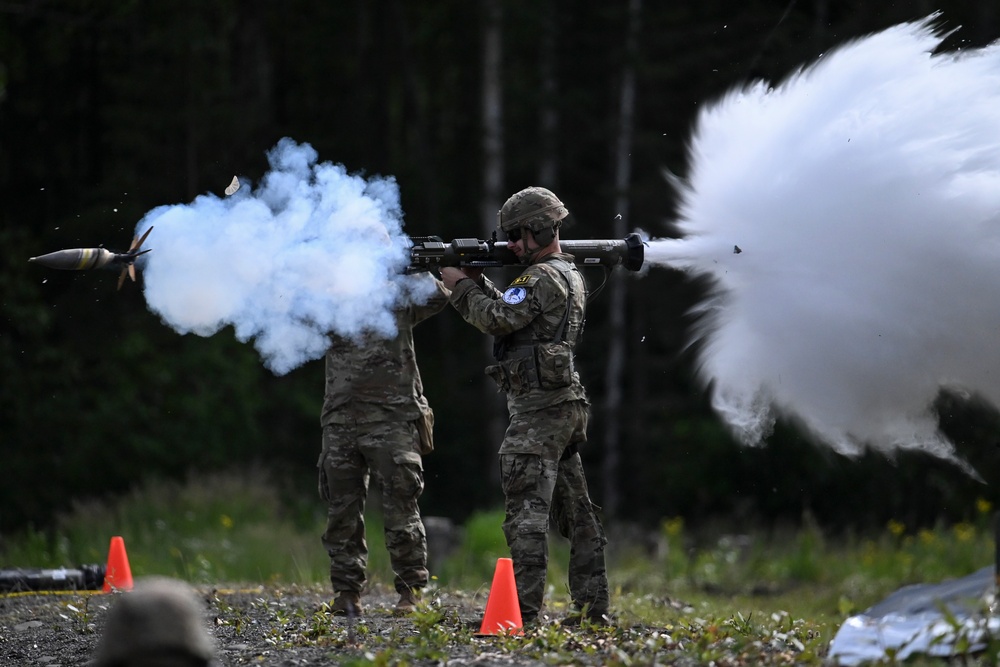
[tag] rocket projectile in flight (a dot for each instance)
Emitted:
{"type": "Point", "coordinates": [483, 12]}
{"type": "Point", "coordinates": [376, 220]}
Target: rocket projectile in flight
{"type": "Point", "coordinates": [81, 259]}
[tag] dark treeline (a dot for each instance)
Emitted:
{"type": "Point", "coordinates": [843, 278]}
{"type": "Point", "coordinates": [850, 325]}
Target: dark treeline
{"type": "Point", "coordinates": [109, 109]}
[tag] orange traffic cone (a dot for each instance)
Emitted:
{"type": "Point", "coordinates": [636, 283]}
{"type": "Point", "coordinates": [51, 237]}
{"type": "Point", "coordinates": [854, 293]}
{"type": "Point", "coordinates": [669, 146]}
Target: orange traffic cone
{"type": "Point", "coordinates": [503, 612]}
{"type": "Point", "coordinates": [118, 574]}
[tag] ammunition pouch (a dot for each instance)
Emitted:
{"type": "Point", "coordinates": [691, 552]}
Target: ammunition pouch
{"type": "Point", "coordinates": [425, 429]}
{"type": "Point", "coordinates": [555, 365]}
{"type": "Point", "coordinates": [516, 374]}
{"type": "Point", "coordinates": [541, 366]}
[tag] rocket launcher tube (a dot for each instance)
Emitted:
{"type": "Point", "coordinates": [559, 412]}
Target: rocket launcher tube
{"type": "Point", "coordinates": [432, 253]}
{"type": "Point", "coordinates": [86, 577]}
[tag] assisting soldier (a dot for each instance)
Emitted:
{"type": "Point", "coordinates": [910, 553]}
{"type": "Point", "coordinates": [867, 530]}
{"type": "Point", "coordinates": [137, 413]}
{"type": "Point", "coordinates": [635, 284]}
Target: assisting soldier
{"type": "Point", "coordinates": [537, 321]}
{"type": "Point", "coordinates": [376, 425]}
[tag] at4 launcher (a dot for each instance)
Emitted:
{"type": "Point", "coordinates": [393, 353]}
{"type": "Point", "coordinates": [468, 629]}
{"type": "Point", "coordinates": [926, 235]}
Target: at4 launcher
{"type": "Point", "coordinates": [431, 253]}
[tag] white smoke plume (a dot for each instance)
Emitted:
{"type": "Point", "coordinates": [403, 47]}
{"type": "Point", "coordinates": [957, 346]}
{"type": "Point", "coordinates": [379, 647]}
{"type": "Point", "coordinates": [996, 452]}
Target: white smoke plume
{"type": "Point", "coordinates": [312, 250]}
{"type": "Point", "coordinates": [864, 196]}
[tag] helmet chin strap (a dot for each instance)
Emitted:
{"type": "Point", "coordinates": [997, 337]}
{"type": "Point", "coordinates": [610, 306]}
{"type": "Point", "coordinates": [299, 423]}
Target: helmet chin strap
{"type": "Point", "coordinates": [529, 256]}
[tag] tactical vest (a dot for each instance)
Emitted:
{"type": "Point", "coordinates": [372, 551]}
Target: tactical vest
{"type": "Point", "coordinates": [531, 358]}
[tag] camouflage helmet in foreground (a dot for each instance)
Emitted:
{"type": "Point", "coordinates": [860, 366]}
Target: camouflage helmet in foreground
{"type": "Point", "coordinates": [158, 624]}
{"type": "Point", "coordinates": [535, 208]}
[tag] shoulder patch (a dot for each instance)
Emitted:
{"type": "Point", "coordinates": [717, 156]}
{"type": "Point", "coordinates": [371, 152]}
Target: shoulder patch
{"type": "Point", "coordinates": [522, 279]}
{"type": "Point", "coordinates": [526, 279]}
{"type": "Point", "coordinates": [514, 295]}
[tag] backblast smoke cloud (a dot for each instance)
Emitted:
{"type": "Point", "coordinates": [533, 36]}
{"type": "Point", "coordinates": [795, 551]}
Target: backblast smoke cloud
{"type": "Point", "coordinates": [864, 193]}
{"type": "Point", "coordinates": [312, 250]}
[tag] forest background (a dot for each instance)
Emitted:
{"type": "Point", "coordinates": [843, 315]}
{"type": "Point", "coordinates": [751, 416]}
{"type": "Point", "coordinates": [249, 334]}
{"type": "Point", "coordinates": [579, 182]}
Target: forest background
{"type": "Point", "coordinates": [111, 108]}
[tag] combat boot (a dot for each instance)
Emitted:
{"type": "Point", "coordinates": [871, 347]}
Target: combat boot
{"type": "Point", "coordinates": [578, 616]}
{"type": "Point", "coordinates": [347, 603]}
{"type": "Point", "coordinates": [408, 599]}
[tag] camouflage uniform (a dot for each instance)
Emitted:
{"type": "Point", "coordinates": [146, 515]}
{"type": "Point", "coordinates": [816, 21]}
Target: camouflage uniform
{"type": "Point", "coordinates": [541, 472]}
{"type": "Point", "coordinates": [373, 411]}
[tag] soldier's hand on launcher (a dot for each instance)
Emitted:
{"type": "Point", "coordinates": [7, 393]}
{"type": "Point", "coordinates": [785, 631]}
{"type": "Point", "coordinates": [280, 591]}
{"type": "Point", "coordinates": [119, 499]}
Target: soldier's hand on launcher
{"type": "Point", "coordinates": [450, 275]}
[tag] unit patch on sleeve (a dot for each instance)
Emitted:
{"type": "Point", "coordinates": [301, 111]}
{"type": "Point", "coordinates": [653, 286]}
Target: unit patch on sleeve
{"type": "Point", "coordinates": [514, 295]}
{"type": "Point", "coordinates": [522, 279]}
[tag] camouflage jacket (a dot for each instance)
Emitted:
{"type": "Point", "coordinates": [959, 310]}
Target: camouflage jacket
{"type": "Point", "coordinates": [378, 380]}
{"type": "Point", "coordinates": [535, 337]}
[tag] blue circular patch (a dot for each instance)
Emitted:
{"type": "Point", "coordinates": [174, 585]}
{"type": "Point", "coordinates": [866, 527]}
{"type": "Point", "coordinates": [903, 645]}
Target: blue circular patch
{"type": "Point", "coordinates": [514, 295]}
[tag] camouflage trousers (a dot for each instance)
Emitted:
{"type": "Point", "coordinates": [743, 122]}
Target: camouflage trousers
{"type": "Point", "coordinates": [544, 484]}
{"type": "Point", "coordinates": [385, 453]}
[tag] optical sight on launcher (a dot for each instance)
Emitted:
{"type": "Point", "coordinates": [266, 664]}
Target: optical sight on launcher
{"type": "Point", "coordinates": [431, 253]}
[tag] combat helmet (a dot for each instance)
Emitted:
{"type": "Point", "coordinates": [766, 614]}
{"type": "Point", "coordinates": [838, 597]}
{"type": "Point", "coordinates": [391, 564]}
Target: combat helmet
{"type": "Point", "coordinates": [158, 623]}
{"type": "Point", "coordinates": [535, 208]}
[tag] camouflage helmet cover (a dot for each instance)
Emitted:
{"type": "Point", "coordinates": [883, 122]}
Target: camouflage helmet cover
{"type": "Point", "coordinates": [535, 208]}
{"type": "Point", "coordinates": [161, 616]}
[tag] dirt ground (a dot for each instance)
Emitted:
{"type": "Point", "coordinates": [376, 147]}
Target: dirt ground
{"type": "Point", "coordinates": [271, 627]}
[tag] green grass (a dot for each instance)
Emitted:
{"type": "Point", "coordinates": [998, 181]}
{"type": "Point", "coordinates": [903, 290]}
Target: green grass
{"type": "Point", "coordinates": [228, 527]}
{"type": "Point", "coordinates": [730, 594]}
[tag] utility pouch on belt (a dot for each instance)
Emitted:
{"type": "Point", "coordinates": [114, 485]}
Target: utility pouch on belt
{"type": "Point", "coordinates": [324, 489]}
{"type": "Point", "coordinates": [540, 366]}
{"type": "Point", "coordinates": [555, 365]}
{"type": "Point", "coordinates": [518, 372]}
{"type": "Point", "coordinates": [425, 429]}
{"type": "Point", "coordinates": [495, 373]}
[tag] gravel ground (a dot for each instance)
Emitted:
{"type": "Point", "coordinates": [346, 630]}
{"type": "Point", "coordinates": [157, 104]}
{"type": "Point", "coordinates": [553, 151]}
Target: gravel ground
{"type": "Point", "coordinates": [291, 627]}
{"type": "Point", "coordinates": [288, 627]}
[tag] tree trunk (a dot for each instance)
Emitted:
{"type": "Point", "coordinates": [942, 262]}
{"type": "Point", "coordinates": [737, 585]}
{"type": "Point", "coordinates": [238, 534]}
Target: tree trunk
{"type": "Point", "coordinates": [548, 171]}
{"type": "Point", "coordinates": [417, 118]}
{"type": "Point", "coordinates": [616, 308]}
{"type": "Point", "coordinates": [493, 166]}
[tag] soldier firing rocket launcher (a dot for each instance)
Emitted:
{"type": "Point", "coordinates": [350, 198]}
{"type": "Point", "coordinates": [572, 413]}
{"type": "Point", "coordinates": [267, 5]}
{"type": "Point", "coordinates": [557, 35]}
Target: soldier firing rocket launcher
{"type": "Point", "coordinates": [432, 253]}
{"type": "Point", "coordinates": [80, 259]}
